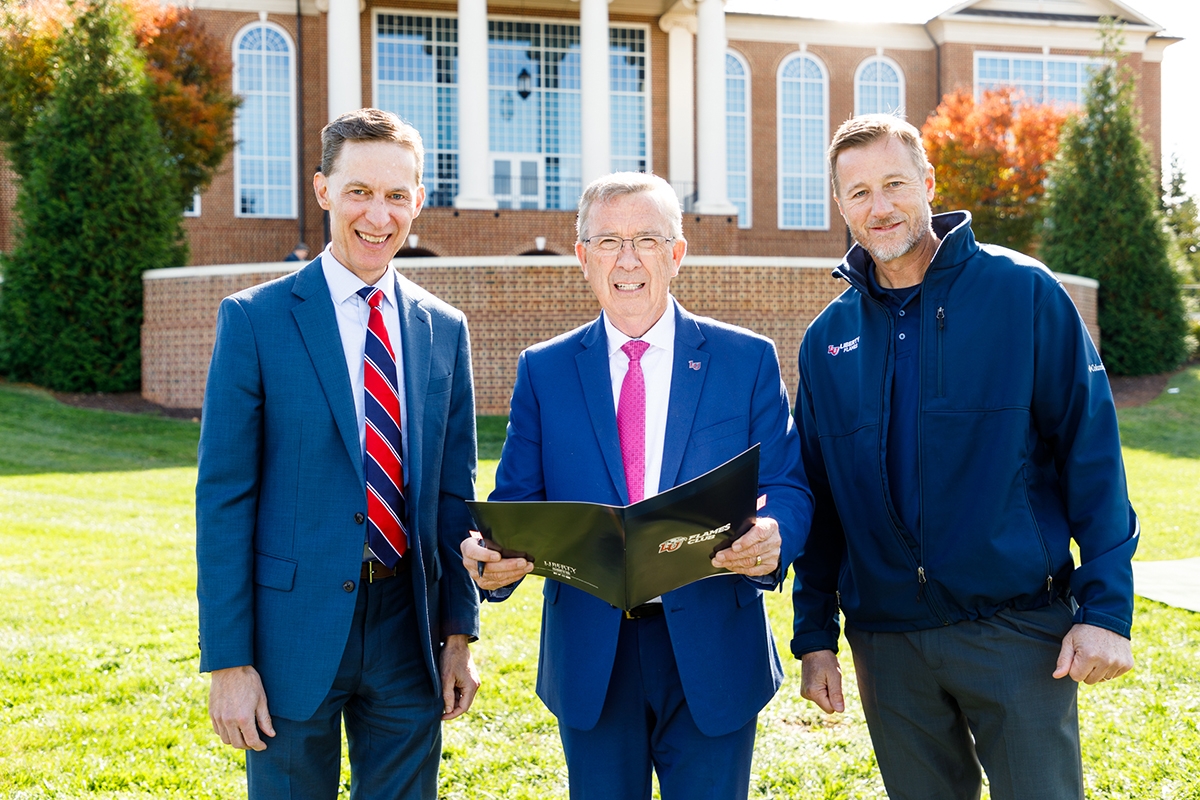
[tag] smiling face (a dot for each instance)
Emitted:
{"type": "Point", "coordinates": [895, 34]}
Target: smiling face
{"type": "Point", "coordinates": [884, 198]}
{"type": "Point", "coordinates": [372, 197]}
{"type": "Point", "coordinates": [632, 287]}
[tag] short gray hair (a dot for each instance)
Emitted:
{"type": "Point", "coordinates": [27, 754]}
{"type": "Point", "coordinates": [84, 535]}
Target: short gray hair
{"type": "Point", "coordinates": [605, 189]}
{"type": "Point", "coordinates": [369, 125]}
{"type": "Point", "coordinates": [866, 129]}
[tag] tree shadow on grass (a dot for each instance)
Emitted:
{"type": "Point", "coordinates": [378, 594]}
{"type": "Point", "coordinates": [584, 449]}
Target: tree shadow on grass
{"type": "Point", "coordinates": [39, 435]}
{"type": "Point", "coordinates": [1169, 424]}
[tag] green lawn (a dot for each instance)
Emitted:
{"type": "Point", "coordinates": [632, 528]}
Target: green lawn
{"type": "Point", "coordinates": [100, 697]}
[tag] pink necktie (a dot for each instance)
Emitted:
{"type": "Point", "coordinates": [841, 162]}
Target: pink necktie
{"type": "Point", "coordinates": [631, 421]}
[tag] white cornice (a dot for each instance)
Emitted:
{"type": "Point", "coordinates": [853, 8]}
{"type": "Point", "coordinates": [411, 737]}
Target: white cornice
{"type": "Point", "coordinates": [268, 268]}
{"type": "Point", "coordinates": [1081, 8]}
{"type": "Point", "coordinates": [1155, 46]}
{"type": "Point", "coordinates": [680, 15]}
{"type": "Point", "coordinates": [890, 36]}
{"type": "Point", "coordinates": [287, 7]}
{"type": "Point", "coordinates": [1055, 35]}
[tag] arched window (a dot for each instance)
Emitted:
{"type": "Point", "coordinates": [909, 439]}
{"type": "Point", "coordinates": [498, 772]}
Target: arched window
{"type": "Point", "coordinates": [264, 164]}
{"type": "Point", "coordinates": [803, 92]}
{"type": "Point", "coordinates": [737, 135]}
{"type": "Point", "coordinates": [879, 87]}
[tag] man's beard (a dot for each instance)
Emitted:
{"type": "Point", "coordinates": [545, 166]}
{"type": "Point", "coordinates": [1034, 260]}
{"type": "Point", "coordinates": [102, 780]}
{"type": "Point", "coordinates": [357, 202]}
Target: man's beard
{"type": "Point", "coordinates": [916, 232]}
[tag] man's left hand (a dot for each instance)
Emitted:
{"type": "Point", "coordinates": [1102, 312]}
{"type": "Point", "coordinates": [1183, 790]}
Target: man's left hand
{"type": "Point", "coordinates": [1091, 655]}
{"type": "Point", "coordinates": [460, 680]}
{"type": "Point", "coordinates": [754, 553]}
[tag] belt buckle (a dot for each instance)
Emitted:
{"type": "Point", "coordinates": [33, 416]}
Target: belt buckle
{"type": "Point", "coordinates": [371, 570]}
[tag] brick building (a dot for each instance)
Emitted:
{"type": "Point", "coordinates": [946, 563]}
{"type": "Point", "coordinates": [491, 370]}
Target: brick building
{"type": "Point", "coordinates": [521, 103]}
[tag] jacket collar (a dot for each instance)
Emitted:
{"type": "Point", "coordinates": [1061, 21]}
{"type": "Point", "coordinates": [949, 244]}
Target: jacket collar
{"type": "Point", "coordinates": [958, 245]}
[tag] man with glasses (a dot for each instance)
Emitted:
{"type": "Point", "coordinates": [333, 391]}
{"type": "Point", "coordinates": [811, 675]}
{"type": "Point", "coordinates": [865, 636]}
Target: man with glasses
{"type": "Point", "coordinates": [644, 398]}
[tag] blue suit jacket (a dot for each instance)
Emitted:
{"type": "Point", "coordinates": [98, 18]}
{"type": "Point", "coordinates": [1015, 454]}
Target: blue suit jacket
{"type": "Point", "coordinates": [281, 484]}
{"type": "Point", "coordinates": [562, 445]}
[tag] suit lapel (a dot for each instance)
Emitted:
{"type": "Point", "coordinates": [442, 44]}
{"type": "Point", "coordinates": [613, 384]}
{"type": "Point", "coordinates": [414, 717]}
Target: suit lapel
{"type": "Point", "coordinates": [416, 343]}
{"type": "Point", "coordinates": [596, 378]}
{"type": "Point", "coordinates": [318, 326]}
{"type": "Point", "coordinates": [687, 380]}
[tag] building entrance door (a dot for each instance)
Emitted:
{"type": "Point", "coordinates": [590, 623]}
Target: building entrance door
{"type": "Point", "coordinates": [517, 180]}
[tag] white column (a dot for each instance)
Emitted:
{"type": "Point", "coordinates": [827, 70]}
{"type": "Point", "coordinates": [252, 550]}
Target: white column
{"type": "Point", "coordinates": [344, 60]}
{"type": "Point", "coordinates": [595, 105]}
{"type": "Point", "coordinates": [474, 190]}
{"type": "Point", "coordinates": [710, 108]}
{"type": "Point", "coordinates": [681, 105]}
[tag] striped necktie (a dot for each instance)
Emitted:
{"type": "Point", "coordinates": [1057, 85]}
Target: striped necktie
{"type": "Point", "coordinates": [387, 537]}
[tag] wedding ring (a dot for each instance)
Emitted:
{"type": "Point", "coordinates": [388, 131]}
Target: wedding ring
{"type": "Point", "coordinates": [758, 561]}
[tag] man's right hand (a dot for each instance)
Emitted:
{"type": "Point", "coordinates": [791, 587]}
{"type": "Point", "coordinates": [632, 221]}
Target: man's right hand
{"type": "Point", "coordinates": [821, 680]}
{"type": "Point", "coordinates": [237, 706]}
{"type": "Point", "coordinates": [487, 568]}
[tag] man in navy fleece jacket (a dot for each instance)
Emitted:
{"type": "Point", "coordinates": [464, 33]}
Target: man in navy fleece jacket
{"type": "Point", "coordinates": [958, 431]}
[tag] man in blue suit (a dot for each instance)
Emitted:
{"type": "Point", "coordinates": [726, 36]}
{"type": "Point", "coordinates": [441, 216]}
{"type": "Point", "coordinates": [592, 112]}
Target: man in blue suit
{"type": "Point", "coordinates": [303, 621]}
{"type": "Point", "coordinates": [675, 685]}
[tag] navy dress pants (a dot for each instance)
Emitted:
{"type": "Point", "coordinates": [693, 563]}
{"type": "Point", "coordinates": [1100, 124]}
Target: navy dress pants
{"type": "Point", "coordinates": [382, 693]}
{"type": "Point", "coordinates": [646, 725]}
{"type": "Point", "coordinates": [944, 702]}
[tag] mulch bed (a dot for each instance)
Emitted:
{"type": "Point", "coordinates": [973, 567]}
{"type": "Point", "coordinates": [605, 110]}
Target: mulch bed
{"type": "Point", "coordinates": [125, 403]}
{"type": "Point", "coordinates": [1127, 391]}
{"type": "Point", "coordinates": [1136, 390]}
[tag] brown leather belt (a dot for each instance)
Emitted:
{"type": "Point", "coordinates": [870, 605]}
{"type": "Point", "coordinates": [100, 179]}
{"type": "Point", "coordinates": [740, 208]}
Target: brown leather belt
{"type": "Point", "coordinates": [373, 571]}
{"type": "Point", "coordinates": [644, 610]}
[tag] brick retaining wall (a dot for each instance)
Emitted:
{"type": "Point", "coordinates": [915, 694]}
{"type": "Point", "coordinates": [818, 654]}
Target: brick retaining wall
{"type": "Point", "coordinates": [510, 303]}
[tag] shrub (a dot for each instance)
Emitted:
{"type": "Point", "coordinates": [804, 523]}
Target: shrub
{"type": "Point", "coordinates": [1104, 222]}
{"type": "Point", "coordinates": [97, 207]}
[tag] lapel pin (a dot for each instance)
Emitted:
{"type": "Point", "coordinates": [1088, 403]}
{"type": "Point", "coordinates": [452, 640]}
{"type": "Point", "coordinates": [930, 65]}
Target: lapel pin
{"type": "Point", "coordinates": [694, 365]}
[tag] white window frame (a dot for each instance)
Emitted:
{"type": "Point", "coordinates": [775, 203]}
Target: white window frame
{"type": "Point", "coordinates": [237, 177]}
{"type": "Point", "coordinates": [824, 225]}
{"type": "Point", "coordinates": [882, 59]}
{"type": "Point", "coordinates": [431, 153]}
{"type": "Point", "coordinates": [1045, 58]}
{"type": "Point", "coordinates": [648, 93]}
{"type": "Point", "coordinates": [194, 209]}
{"type": "Point", "coordinates": [749, 221]}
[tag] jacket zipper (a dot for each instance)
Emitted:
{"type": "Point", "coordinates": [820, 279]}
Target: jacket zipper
{"type": "Point", "coordinates": [921, 577]}
{"type": "Point", "coordinates": [941, 326]}
{"type": "Point", "coordinates": [1037, 531]}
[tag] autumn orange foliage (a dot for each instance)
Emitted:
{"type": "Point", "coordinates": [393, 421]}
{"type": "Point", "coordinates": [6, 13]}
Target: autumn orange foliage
{"type": "Point", "coordinates": [990, 158]}
{"type": "Point", "coordinates": [190, 75]}
{"type": "Point", "coordinates": [188, 72]}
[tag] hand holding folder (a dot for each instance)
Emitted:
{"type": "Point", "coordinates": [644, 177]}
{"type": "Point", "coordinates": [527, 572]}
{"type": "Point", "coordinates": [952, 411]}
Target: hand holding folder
{"type": "Point", "coordinates": [626, 555]}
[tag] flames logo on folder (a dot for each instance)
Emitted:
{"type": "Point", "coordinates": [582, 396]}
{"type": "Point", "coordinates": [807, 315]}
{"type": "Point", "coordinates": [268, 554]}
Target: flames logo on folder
{"type": "Point", "coordinates": [671, 545]}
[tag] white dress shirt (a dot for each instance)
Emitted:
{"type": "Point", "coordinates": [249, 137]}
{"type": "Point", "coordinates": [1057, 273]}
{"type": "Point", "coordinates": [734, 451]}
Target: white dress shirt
{"type": "Point", "coordinates": [656, 368]}
{"type": "Point", "coordinates": [353, 314]}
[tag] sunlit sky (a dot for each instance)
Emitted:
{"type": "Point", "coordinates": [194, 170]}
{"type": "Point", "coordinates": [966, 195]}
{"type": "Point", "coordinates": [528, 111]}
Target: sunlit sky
{"type": "Point", "coordinates": [1181, 62]}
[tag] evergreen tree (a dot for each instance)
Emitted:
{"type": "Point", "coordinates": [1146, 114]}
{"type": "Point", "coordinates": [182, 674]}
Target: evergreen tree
{"type": "Point", "coordinates": [97, 207]}
{"type": "Point", "coordinates": [1104, 222]}
{"type": "Point", "coordinates": [1183, 221]}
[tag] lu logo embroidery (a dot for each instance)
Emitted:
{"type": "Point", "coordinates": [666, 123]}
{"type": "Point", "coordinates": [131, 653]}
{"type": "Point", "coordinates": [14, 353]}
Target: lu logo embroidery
{"type": "Point", "coordinates": [844, 347]}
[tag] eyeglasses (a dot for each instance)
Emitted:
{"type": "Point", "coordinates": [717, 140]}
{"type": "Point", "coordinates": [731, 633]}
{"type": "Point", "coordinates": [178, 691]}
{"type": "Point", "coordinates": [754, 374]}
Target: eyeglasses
{"type": "Point", "coordinates": [641, 244]}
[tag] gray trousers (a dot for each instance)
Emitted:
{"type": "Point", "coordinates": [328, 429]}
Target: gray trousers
{"type": "Point", "coordinates": [943, 702]}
